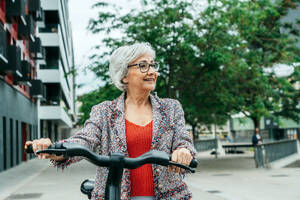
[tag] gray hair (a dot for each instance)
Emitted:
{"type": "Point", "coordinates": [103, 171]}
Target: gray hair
{"type": "Point", "coordinates": [123, 56]}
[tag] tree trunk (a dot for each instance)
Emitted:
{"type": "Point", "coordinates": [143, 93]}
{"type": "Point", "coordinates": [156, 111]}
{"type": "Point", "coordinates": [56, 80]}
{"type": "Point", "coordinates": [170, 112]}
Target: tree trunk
{"type": "Point", "coordinates": [256, 121]}
{"type": "Point", "coordinates": [194, 132]}
{"type": "Point", "coordinates": [170, 86]}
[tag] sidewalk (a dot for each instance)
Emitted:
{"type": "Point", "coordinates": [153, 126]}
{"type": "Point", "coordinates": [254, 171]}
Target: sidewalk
{"type": "Point", "coordinates": [261, 184]}
{"type": "Point", "coordinates": [235, 177]}
{"type": "Point", "coordinates": [44, 183]}
{"type": "Point", "coordinates": [15, 178]}
{"type": "Point", "coordinates": [226, 178]}
{"type": "Point", "coordinates": [39, 181]}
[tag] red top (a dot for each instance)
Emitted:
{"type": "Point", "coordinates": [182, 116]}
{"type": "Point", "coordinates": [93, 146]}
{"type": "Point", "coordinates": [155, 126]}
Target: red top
{"type": "Point", "coordinates": [139, 140]}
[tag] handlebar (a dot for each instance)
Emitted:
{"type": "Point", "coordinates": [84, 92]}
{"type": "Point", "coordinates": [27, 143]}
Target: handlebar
{"type": "Point", "coordinates": [150, 157]}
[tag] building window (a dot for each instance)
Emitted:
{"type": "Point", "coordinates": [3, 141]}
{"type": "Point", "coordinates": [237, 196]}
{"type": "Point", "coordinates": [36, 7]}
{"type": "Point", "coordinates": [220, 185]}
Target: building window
{"type": "Point", "coordinates": [11, 142]}
{"type": "Point", "coordinates": [31, 137]}
{"type": "Point", "coordinates": [4, 144]}
{"type": "Point", "coordinates": [17, 141]}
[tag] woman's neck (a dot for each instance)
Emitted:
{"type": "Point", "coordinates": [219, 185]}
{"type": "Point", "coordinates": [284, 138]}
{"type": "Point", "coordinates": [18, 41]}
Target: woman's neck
{"type": "Point", "coordinates": [137, 98]}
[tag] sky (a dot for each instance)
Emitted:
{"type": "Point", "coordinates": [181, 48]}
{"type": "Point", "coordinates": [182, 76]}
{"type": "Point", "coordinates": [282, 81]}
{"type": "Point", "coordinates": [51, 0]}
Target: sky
{"type": "Point", "coordinates": [84, 41]}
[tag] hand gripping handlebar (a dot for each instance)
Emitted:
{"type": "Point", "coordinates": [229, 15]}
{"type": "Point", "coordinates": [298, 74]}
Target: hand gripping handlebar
{"type": "Point", "coordinates": [151, 157]}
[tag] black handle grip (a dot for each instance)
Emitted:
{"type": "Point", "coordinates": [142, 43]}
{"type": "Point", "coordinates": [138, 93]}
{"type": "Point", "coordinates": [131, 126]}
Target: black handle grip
{"type": "Point", "coordinates": [182, 166]}
{"type": "Point", "coordinates": [29, 149]}
{"type": "Point", "coordinates": [194, 163]}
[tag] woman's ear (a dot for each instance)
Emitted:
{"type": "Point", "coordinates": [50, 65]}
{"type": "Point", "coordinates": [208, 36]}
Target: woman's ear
{"type": "Point", "coordinates": [124, 80]}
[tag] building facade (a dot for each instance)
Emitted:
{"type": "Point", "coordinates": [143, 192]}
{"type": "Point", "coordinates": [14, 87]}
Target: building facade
{"type": "Point", "coordinates": [19, 87]}
{"type": "Point", "coordinates": [36, 84]}
{"type": "Point", "coordinates": [57, 113]}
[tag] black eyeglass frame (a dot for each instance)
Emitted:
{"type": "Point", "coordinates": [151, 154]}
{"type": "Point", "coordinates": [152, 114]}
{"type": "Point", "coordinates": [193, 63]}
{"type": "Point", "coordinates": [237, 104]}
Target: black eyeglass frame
{"type": "Point", "coordinates": [148, 66]}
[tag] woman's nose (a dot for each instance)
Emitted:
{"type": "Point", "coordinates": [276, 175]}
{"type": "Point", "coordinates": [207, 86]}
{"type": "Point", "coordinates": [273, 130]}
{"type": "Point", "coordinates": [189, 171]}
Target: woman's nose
{"type": "Point", "coordinates": [151, 70]}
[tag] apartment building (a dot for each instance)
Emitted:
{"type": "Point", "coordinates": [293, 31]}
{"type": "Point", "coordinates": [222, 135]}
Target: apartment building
{"type": "Point", "coordinates": [57, 113]}
{"type": "Point", "coordinates": [36, 84]}
{"type": "Point", "coordinates": [19, 87]}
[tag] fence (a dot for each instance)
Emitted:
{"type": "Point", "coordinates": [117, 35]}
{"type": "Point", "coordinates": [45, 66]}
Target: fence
{"type": "Point", "coordinates": [205, 145]}
{"type": "Point", "coordinates": [269, 152]}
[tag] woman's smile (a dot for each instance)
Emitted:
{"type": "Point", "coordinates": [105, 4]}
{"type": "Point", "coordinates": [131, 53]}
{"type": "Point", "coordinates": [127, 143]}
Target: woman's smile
{"type": "Point", "coordinates": [149, 79]}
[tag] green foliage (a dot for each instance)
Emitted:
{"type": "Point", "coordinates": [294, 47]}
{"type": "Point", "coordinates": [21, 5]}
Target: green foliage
{"type": "Point", "coordinates": [213, 61]}
{"type": "Point", "coordinates": [105, 93]}
{"type": "Point", "coordinates": [267, 40]}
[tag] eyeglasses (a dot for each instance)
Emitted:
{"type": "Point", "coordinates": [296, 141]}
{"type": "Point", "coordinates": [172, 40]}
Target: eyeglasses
{"type": "Point", "coordinates": [144, 66]}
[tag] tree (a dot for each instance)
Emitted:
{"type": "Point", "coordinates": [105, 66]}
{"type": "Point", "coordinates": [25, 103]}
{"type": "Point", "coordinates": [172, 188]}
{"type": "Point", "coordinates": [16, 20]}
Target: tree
{"type": "Point", "coordinates": [268, 40]}
{"type": "Point", "coordinates": [190, 67]}
{"type": "Point", "coordinates": [214, 62]}
{"type": "Point", "coordinates": [105, 93]}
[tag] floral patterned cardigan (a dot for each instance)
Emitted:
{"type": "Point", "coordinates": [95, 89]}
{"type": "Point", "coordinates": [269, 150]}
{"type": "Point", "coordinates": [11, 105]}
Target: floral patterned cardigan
{"type": "Point", "coordinates": [105, 130]}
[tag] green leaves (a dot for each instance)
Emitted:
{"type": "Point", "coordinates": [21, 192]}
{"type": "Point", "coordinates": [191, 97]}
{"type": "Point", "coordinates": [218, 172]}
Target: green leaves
{"type": "Point", "coordinates": [105, 93]}
{"type": "Point", "coordinates": [213, 61]}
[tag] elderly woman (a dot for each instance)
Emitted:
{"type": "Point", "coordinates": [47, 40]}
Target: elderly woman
{"type": "Point", "coordinates": [135, 123]}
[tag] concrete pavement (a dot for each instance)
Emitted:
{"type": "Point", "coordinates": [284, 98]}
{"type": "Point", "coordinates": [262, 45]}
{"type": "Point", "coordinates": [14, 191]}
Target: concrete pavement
{"type": "Point", "coordinates": [226, 178]}
{"type": "Point", "coordinates": [47, 182]}
{"type": "Point", "coordinates": [17, 177]}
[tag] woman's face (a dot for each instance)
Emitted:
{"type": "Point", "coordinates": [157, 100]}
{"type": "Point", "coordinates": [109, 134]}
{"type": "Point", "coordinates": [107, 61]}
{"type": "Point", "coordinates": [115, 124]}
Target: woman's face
{"type": "Point", "coordinates": [136, 79]}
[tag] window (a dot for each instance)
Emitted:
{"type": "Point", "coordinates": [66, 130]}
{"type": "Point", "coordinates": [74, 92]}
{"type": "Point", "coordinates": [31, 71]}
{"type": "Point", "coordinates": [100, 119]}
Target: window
{"type": "Point", "coordinates": [4, 143]}
{"type": "Point", "coordinates": [11, 142]}
{"type": "Point", "coordinates": [17, 141]}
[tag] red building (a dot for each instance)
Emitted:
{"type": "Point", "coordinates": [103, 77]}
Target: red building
{"type": "Point", "coordinates": [19, 89]}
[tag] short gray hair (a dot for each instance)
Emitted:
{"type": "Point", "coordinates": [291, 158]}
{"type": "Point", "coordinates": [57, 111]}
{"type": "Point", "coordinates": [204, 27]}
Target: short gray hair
{"type": "Point", "coordinates": [123, 56]}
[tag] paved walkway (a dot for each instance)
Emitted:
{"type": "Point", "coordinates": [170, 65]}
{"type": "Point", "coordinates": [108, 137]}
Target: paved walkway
{"type": "Point", "coordinates": [226, 178]}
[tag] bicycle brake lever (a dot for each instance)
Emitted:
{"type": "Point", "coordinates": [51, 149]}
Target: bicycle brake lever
{"type": "Point", "coordinates": [182, 166]}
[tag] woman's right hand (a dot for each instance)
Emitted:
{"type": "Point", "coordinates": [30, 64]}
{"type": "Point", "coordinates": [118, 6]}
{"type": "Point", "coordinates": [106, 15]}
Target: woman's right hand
{"type": "Point", "coordinates": [42, 144]}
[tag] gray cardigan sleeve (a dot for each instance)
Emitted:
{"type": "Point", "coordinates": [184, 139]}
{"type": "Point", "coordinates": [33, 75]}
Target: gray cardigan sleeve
{"type": "Point", "coordinates": [181, 138]}
{"type": "Point", "coordinates": [88, 136]}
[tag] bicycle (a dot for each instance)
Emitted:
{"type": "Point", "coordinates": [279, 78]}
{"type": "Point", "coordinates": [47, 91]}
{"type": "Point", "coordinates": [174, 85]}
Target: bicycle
{"type": "Point", "coordinates": [116, 162]}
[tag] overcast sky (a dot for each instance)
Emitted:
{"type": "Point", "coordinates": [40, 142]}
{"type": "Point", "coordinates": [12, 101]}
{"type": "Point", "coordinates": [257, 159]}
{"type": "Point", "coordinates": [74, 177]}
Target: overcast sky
{"type": "Point", "coordinates": [83, 41]}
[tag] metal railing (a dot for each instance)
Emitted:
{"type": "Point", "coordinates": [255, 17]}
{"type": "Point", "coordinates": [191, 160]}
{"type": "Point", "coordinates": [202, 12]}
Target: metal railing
{"type": "Point", "coordinates": [269, 152]}
{"type": "Point", "coordinates": [205, 145]}
{"type": "Point", "coordinates": [49, 28]}
{"type": "Point", "coordinates": [50, 64]}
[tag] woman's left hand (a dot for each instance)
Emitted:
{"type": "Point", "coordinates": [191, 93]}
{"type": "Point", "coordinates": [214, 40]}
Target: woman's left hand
{"type": "Point", "coordinates": [182, 156]}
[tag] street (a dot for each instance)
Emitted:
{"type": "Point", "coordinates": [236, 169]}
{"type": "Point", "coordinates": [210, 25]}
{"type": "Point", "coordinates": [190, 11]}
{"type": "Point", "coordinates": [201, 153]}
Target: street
{"type": "Point", "coordinates": [226, 178]}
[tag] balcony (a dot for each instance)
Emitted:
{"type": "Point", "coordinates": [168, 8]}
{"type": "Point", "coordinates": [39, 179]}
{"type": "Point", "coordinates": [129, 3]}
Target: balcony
{"type": "Point", "coordinates": [49, 35]}
{"type": "Point", "coordinates": [15, 11]}
{"type": "Point", "coordinates": [26, 74]}
{"type": "Point", "coordinates": [27, 30]}
{"type": "Point", "coordinates": [40, 18]}
{"type": "Point", "coordinates": [38, 89]}
{"type": "Point", "coordinates": [52, 63]}
{"type": "Point", "coordinates": [13, 65]}
{"type": "Point", "coordinates": [35, 9]}
{"type": "Point", "coordinates": [52, 56]}
{"type": "Point", "coordinates": [36, 49]}
{"type": "Point", "coordinates": [54, 94]}
{"type": "Point", "coordinates": [49, 76]}
{"type": "Point", "coordinates": [50, 5]}
{"type": "Point", "coordinates": [3, 46]}
{"type": "Point", "coordinates": [55, 113]}
{"type": "Point", "coordinates": [34, 6]}
{"type": "Point", "coordinates": [49, 28]}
